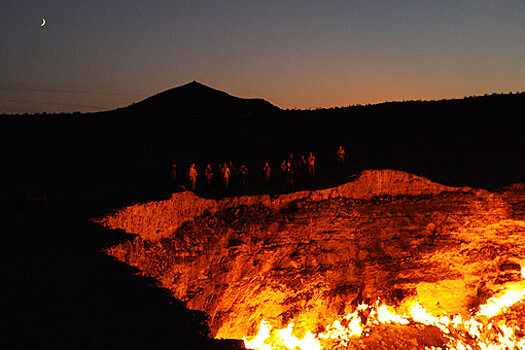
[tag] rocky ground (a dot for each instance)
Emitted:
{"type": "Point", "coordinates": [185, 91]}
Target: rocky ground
{"type": "Point", "coordinates": [311, 257]}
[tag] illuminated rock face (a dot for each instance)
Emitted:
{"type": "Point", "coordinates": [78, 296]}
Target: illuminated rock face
{"type": "Point", "coordinates": [311, 257]}
{"type": "Point", "coordinates": [157, 220]}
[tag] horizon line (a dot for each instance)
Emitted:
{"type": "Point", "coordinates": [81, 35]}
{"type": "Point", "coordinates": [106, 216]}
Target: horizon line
{"type": "Point", "coordinates": [297, 109]}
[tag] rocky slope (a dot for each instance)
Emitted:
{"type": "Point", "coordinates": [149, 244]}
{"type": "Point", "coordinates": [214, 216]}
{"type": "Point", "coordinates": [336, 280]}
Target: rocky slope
{"type": "Point", "coordinates": [311, 257]}
{"type": "Point", "coordinates": [157, 220]}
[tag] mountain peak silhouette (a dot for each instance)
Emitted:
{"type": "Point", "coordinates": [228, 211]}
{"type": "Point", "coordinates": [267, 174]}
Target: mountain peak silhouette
{"type": "Point", "coordinates": [195, 98]}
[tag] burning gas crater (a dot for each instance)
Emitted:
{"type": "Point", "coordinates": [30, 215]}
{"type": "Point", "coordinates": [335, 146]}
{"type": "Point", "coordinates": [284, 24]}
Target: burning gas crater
{"type": "Point", "coordinates": [388, 261]}
{"type": "Point", "coordinates": [488, 328]}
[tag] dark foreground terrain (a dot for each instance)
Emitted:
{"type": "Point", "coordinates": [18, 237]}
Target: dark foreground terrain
{"type": "Point", "coordinates": [59, 171]}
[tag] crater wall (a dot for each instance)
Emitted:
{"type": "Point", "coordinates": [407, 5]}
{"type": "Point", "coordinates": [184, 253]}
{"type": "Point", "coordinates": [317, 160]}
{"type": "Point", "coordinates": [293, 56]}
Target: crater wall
{"type": "Point", "coordinates": [312, 256]}
{"type": "Point", "coordinates": [157, 220]}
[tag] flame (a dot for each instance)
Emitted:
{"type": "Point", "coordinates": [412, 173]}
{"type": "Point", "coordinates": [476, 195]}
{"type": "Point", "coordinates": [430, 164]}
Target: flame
{"type": "Point", "coordinates": [484, 330]}
{"type": "Point", "coordinates": [420, 314]}
{"type": "Point", "coordinates": [498, 304]}
{"type": "Point", "coordinates": [337, 331]}
{"type": "Point", "coordinates": [282, 339]}
{"type": "Point", "coordinates": [261, 340]}
{"type": "Point", "coordinates": [309, 342]}
{"type": "Point", "coordinates": [385, 316]}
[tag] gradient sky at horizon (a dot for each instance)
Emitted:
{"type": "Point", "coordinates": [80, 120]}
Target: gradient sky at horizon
{"type": "Point", "coordinates": [99, 55]}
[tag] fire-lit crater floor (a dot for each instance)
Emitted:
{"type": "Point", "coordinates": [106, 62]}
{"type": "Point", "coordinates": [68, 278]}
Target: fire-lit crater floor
{"type": "Point", "coordinates": [388, 243]}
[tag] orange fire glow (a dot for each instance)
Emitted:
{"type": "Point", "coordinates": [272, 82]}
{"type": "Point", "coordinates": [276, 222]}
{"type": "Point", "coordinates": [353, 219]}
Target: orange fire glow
{"type": "Point", "coordinates": [484, 330]}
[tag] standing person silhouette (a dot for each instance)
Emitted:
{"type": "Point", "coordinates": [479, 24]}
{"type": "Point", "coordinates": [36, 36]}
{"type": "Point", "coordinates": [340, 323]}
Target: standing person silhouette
{"type": "Point", "coordinates": [311, 164]}
{"type": "Point", "coordinates": [284, 172]}
{"type": "Point", "coordinates": [341, 155]}
{"type": "Point", "coordinates": [192, 175]}
{"type": "Point", "coordinates": [266, 171]}
{"type": "Point", "coordinates": [225, 176]}
{"type": "Point", "coordinates": [303, 167]}
{"type": "Point", "coordinates": [208, 174]}
{"type": "Point", "coordinates": [243, 172]}
{"type": "Point", "coordinates": [173, 174]}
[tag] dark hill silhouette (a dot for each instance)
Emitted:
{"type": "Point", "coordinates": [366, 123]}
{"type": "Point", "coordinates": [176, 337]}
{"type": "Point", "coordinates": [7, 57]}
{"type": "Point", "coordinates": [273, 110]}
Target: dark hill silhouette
{"type": "Point", "coordinates": [197, 100]}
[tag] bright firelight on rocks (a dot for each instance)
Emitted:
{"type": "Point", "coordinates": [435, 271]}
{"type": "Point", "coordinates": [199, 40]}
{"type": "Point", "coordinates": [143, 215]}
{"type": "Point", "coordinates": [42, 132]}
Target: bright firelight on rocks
{"type": "Point", "coordinates": [486, 329]}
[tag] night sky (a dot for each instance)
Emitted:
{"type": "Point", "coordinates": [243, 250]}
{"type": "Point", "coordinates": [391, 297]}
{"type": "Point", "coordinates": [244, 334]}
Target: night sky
{"type": "Point", "coordinates": [99, 55]}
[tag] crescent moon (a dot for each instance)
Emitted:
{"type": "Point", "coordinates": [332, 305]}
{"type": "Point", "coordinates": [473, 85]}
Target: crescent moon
{"type": "Point", "coordinates": [43, 22]}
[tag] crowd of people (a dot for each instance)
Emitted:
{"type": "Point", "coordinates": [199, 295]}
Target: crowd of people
{"type": "Point", "coordinates": [220, 177]}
